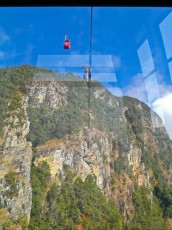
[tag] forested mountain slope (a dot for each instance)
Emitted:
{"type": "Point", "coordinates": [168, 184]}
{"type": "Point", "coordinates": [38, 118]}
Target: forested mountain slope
{"type": "Point", "coordinates": [73, 156]}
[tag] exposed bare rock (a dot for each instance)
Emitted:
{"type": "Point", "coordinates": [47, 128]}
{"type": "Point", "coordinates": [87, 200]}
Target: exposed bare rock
{"type": "Point", "coordinates": [52, 93]}
{"type": "Point", "coordinates": [15, 161]}
{"type": "Point", "coordinates": [85, 153]}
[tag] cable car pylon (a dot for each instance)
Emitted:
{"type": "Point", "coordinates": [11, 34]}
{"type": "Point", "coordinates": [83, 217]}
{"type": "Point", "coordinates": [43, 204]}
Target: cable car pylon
{"type": "Point", "coordinates": [87, 69]}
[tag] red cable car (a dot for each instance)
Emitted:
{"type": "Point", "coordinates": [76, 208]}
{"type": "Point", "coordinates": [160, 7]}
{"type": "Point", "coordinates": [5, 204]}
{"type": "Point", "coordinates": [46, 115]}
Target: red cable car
{"type": "Point", "coordinates": [66, 43]}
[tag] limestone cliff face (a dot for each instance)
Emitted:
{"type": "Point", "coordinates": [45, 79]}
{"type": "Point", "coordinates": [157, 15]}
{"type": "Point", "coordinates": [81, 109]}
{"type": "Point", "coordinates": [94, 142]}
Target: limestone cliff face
{"type": "Point", "coordinates": [52, 93]}
{"type": "Point", "coordinates": [90, 151]}
{"type": "Point", "coordinates": [115, 144]}
{"type": "Point", "coordinates": [85, 153]}
{"type": "Point", "coordinates": [15, 165]}
{"type": "Point", "coordinates": [141, 175]}
{"type": "Point", "coordinates": [153, 139]}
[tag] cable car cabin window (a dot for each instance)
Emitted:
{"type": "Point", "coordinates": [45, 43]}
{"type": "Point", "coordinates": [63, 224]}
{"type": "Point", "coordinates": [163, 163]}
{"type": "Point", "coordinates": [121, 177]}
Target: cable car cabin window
{"type": "Point", "coordinates": [66, 44]}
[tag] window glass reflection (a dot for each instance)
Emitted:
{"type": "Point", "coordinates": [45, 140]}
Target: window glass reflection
{"type": "Point", "coordinates": [145, 57]}
{"type": "Point", "coordinates": [170, 69]}
{"type": "Point", "coordinates": [152, 89]}
{"type": "Point", "coordinates": [165, 28]}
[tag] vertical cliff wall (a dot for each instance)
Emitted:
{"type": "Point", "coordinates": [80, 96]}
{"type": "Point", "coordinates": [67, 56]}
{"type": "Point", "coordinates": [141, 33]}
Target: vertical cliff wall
{"type": "Point", "coordinates": [15, 165]}
{"type": "Point", "coordinates": [85, 153]}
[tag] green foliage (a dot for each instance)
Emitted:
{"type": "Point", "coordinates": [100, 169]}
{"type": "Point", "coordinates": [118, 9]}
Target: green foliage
{"type": "Point", "coordinates": [82, 202]}
{"type": "Point", "coordinates": [20, 222]}
{"type": "Point", "coordinates": [100, 213]}
{"type": "Point", "coordinates": [63, 206]}
{"type": "Point", "coordinates": [147, 159]}
{"type": "Point", "coordinates": [75, 203]}
{"type": "Point", "coordinates": [48, 124]}
{"type": "Point", "coordinates": [134, 115]}
{"type": "Point", "coordinates": [165, 155]}
{"type": "Point", "coordinates": [40, 124]}
{"type": "Point", "coordinates": [5, 89]}
{"type": "Point", "coordinates": [10, 180]}
{"type": "Point", "coordinates": [120, 165]}
{"type": "Point", "coordinates": [39, 182]}
{"type": "Point", "coordinates": [14, 82]}
{"type": "Point", "coordinates": [107, 116]}
{"type": "Point", "coordinates": [81, 102]}
{"type": "Point", "coordinates": [164, 195]}
{"type": "Point", "coordinates": [148, 213]}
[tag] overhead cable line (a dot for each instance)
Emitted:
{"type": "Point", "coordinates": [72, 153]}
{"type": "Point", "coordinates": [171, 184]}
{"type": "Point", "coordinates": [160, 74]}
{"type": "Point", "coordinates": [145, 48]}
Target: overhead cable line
{"type": "Point", "coordinates": [90, 59]}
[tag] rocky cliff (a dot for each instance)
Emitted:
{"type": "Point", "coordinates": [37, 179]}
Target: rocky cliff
{"type": "Point", "coordinates": [116, 155]}
{"type": "Point", "coordinates": [82, 126]}
{"type": "Point", "coordinates": [86, 153]}
{"type": "Point", "coordinates": [15, 165]}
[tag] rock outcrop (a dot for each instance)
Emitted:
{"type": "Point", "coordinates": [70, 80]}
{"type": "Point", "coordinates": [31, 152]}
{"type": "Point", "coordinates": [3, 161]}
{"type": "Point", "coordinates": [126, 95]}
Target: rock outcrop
{"type": "Point", "coordinates": [117, 144]}
{"type": "Point", "coordinates": [85, 153]}
{"type": "Point", "coordinates": [15, 166]}
{"type": "Point", "coordinates": [91, 151]}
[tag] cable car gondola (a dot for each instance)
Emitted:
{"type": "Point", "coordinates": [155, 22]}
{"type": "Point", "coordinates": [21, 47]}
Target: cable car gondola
{"type": "Point", "coordinates": [66, 43]}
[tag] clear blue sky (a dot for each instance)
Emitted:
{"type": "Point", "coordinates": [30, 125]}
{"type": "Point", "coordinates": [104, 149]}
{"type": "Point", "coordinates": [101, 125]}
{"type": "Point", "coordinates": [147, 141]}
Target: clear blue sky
{"type": "Point", "coordinates": [131, 47]}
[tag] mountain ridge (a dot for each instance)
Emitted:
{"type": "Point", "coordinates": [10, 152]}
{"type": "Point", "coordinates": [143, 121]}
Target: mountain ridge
{"type": "Point", "coordinates": [83, 129]}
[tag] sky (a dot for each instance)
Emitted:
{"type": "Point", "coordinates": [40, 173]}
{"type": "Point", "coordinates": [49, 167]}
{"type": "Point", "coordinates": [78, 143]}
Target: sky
{"type": "Point", "coordinates": [130, 47]}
